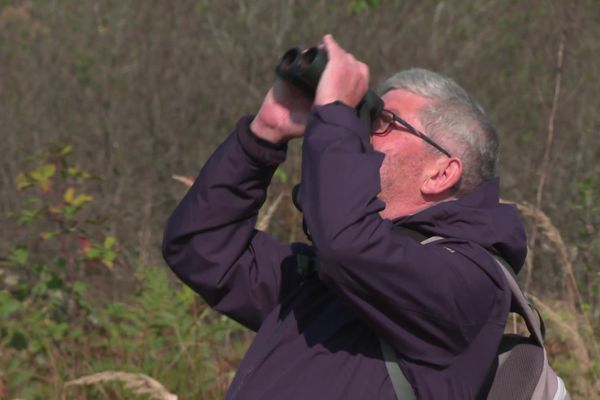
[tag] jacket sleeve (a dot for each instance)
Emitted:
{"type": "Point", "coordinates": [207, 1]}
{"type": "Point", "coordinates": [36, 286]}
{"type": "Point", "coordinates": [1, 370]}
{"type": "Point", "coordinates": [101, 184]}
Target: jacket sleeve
{"type": "Point", "coordinates": [426, 300]}
{"type": "Point", "coordinates": [210, 242]}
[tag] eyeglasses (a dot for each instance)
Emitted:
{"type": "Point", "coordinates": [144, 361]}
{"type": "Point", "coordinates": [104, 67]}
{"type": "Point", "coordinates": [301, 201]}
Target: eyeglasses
{"type": "Point", "coordinates": [387, 121]}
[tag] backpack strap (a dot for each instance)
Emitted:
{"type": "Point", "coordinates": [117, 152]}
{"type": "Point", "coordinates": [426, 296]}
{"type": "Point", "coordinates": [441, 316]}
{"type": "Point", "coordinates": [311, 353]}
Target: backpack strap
{"type": "Point", "coordinates": [521, 305]}
{"type": "Point", "coordinates": [402, 387]}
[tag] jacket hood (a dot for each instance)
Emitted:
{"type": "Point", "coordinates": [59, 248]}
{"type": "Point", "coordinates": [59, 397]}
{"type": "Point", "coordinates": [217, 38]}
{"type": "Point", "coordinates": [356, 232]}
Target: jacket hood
{"type": "Point", "coordinates": [477, 217]}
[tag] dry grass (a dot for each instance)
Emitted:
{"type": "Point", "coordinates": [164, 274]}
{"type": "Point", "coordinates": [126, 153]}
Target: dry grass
{"type": "Point", "coordinates": [551, 232]}
{"type": "Point", "coordinates": [573, 327]}
{"type": "Point", "coordinates": [576, 344]}
{"type": "Point", "coordinates": [570, 351]}
{"type": "Point", "coordinates": [138, 383]}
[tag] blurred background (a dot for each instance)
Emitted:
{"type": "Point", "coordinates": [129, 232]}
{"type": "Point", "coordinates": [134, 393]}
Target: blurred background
{"type": "Point", "coordinates": [104, 102]}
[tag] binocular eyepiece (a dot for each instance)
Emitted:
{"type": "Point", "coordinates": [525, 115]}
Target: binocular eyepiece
{"type": "Point", "coordinates": [303, 69]}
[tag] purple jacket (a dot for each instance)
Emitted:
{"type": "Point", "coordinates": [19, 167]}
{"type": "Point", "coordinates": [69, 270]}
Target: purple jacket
{"type": "Point", "coordinates": [442, 306]}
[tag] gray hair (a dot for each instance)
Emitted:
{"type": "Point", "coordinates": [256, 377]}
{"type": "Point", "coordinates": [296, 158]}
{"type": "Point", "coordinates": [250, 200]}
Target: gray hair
{"type": "Point", "coordinates": [454, 120]}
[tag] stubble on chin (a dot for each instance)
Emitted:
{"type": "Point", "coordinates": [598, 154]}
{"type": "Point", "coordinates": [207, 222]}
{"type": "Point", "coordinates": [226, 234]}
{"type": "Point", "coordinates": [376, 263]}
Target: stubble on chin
{"type": "Point", "coordinates": [400, 184]}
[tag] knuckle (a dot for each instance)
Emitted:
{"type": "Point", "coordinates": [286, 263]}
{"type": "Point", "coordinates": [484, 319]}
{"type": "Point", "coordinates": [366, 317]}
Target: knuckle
{"type": "Point", "coordinates": [366, 70]}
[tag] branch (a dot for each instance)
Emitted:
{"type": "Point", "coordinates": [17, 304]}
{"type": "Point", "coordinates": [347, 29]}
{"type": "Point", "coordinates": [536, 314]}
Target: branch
{"type": "Point", "coordinates": [265, 220]}
{"type": "Point", "coordinates": [547, 150]}
{"type": "Point", "coordinates": [551, 119]}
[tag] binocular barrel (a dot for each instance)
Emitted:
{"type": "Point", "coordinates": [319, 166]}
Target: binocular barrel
{"type": "Point", "coordinates": [303, 69]}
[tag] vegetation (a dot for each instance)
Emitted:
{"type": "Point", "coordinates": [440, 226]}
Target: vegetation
{"type": "Point", "coordinates": [57, 328]}
{"type": "Point", "coordinates": [139, 91]}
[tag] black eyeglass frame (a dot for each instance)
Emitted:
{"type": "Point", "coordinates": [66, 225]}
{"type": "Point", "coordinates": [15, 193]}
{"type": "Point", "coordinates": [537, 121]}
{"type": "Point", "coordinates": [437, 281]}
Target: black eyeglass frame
{"type": "Point", "coordinates": [411, 129]}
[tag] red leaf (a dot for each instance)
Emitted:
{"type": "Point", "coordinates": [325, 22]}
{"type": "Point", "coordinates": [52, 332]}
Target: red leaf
{"type": "Point", "coordinates": [85, 244]}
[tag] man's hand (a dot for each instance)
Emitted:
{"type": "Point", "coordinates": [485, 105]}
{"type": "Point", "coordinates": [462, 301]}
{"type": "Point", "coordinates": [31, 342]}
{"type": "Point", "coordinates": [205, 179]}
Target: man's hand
{"type": "Point", "coordinates": [285, 109]}
{"type": "Point", "coordinates": [345, 78]}
{"type": "Point", "coordinates": [283, 114]}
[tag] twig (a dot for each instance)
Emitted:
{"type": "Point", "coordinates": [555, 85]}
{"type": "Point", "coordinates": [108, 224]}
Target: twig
{"type": "Point", "coordinates": [265, 220]}
{"type": "Point", "coordinates": [546, 160]}
{"type": "Point", "coordinates": [551, 119]}
{"type": "Point", "coordinates": [186, 180]}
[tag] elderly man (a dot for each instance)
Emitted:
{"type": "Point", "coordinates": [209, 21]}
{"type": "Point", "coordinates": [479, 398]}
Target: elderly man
{"type": "Point", "coordinates": [426, 165]}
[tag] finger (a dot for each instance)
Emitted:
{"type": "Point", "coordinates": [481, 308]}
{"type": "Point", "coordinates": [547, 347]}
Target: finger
{"type": "Point", "coordinates": [332, 47]}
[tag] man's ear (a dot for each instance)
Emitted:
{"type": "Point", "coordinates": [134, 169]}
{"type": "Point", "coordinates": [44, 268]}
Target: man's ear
{"type": "Point", "coordinates": [444, 174]}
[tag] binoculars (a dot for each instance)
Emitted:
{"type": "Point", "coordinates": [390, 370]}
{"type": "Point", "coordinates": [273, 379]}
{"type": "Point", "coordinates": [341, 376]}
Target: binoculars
{"type": "Point", "coordinates": [303, 69]}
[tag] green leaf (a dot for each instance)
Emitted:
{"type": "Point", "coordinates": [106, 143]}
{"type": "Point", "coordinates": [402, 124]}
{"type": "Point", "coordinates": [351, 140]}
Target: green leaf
{"type": "Point", "coordinates": [8, 305]}
{"type": "Point", "coordinates": [359, 6]}
{"type": "Point", "coordinates": [88, 176]}
{"type": "Point", "coordinates": [69, 211]}
{"type": "Point", "coordinates": [82, 199]}
{"type": "Point", "coordinates": [49, 235]}
{"type": "Point", "coordinates": [75, 333]}
{"type": "Point", "coordinates": [35, 346]}
{"type": "Point", "coordinates": [58, 330]}
{"type": "Point", "coordinates": [39, 289]}
{"type": "Point", "coordinates": [281, 175]}
{"type": "Point", "coordinates": [95, 253]}
{"type": "Point", "coordinates": [43, 172]}
{"type": "Point", "coordinates": [109, 242]}
{"type": "Point", "coordinates": [109, 255]}
{"type": "Point", "coordinates": [65, 150]}
{"type": "Point", "coordinates": [117, 310]}
{"type": "Point", "coordinates": [73, 171]}
{"type": "Point", "coordinates": [69, 195]}
{"type": "Point", "coordinates": [55, 282]}
{"type": "Point", "coordinates": [79, 288]}
{"type": "Point", "coordinates": [28, 216]}
{"type": "Point", "coordinates": [18, 255]}
{"type": "Point", "coordinates": [77, 173]}
{"type": "Point", "coordinates": [186, 296]}
{"type": "Point", "coordinates": [23, 182]}
{"type": "Point", "coordinates": [18, 341]}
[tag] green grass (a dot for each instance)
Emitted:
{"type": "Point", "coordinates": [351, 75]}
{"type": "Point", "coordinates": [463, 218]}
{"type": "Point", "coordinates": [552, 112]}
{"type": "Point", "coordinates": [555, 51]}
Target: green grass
{"type": "Point", "coordinates": [162, 331]}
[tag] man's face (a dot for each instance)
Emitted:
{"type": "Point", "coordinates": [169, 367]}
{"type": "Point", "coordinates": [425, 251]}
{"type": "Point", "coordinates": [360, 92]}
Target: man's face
{"type": "Point", "coordinates": [406, 155]}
